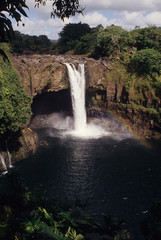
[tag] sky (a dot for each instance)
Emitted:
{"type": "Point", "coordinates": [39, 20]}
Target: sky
{"type": "Point", "coordinates": [124, 13]}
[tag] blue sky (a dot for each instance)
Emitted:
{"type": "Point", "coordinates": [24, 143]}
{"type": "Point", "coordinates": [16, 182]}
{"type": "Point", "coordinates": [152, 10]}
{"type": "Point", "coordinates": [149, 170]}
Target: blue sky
{"type": "Point", "coordinates": [125, 13]}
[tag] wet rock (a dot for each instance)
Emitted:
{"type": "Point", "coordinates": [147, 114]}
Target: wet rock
{"type": "Point", "coordinates": [28, 144]}
{"type": "Point", "coordinates": [22, 147]}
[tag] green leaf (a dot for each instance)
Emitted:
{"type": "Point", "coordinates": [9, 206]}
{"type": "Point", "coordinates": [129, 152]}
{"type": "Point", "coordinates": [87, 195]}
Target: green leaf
{"type": "Point", "coordinates": [29, 229]}
{"type": "Point", "coordinates": [79, 237]}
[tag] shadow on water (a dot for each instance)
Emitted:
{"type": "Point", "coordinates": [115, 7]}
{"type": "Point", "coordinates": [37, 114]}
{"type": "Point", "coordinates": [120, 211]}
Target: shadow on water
{"type": "Point", "coordinates": [119, 177]}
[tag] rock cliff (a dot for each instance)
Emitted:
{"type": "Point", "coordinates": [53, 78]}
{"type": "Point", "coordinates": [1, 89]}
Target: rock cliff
{"type": "Point", "coordinates": [41, 73]}
{"type": "Point", "coordinates": [106, 89]}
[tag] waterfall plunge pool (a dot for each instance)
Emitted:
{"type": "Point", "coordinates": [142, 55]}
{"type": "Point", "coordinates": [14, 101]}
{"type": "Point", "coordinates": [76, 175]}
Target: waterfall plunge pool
{"type": "Point", "coordinates": [118, 174]}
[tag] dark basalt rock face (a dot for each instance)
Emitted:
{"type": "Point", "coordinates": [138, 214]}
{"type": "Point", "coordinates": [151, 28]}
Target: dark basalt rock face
{"type": "Point", "coordinates": [49, 102]}
{"type": "Point", "coordinates": [22, 145]}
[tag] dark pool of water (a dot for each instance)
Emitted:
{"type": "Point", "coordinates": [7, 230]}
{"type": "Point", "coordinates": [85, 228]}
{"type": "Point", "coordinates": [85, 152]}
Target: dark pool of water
{"type": "Point", "coordinates": [120, 177]}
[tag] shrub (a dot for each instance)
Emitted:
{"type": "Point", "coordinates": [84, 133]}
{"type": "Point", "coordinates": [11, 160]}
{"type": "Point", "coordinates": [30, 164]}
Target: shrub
{"type": "Point", "coordinates": [14, 102]}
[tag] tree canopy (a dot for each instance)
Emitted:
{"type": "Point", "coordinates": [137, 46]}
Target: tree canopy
{"type": "Point", "coordinates": [147, 62]}
{"type": "Point", "coordinates": [26, 43]}
{"type": "Point", "coordinates": [71, 34]}
{"type": "Point", "coordinates": [111, 40]}
{"type": "Point", "coordinates": [62, 8]}
{"type": "Point", "coordinates": [148, 37]}
{"type": "Point", "coordinates": [17, 8]}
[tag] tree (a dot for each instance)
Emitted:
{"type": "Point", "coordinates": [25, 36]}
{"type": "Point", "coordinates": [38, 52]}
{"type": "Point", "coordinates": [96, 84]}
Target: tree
{"type": "Point", "coordinates": [17, 8]}
{"type": "Point", "coordinates": [85, 44]}
{"type": "Point", "coordinates": [62, 8]}
{"type": "Point", "coordinates": [146, 62]}
{"type": "Point", "coordinates": [71, 34]}
{"type": "Point", "coordinates": [148, 37]}
{"type": "Point", "coordinates": [111, 40]}
{"type": "Point", "coordinates": [24, 42]}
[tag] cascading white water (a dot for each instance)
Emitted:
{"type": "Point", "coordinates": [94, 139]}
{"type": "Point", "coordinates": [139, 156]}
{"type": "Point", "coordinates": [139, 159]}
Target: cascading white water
{"type": "Point", "coordinates": [3, 163]}
{"type": "Point", "coordinates": [77, 83]}
{"type": "Point", "coordinates": [9, 157]}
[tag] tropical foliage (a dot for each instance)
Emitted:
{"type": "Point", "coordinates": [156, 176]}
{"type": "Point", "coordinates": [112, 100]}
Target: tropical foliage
{"type": "Point", "coordinates": [14, 103]}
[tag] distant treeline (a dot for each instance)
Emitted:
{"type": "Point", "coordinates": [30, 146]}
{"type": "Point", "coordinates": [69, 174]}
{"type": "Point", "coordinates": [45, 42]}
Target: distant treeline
{"type": "Point", "coordinates": [25, 43]}
{"type": "Point", "coordinates": [80, 38]}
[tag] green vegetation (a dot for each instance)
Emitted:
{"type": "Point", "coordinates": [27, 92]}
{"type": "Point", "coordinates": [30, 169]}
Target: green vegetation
{"type": "Point", "coordinates": [14, 103]}
{"type": "Point", "coordinates": [147, 62]}
{"type": "Point", "coordinates": [145, 67]}
{"type": "Point", "coordinates": [73, 36]}
{"type": "Point", "coordinates": [77, 38]}
{"type": "Point", "coordinates": [97, 42]}
{"type": "Point", "coordinates": [148, 37]}
{"type": "Point", "coordinates": [25, 43]}
{"type": "Point", "coordinates": [111, 41]}
{"type": "Point", "coordinates": [138, 90]}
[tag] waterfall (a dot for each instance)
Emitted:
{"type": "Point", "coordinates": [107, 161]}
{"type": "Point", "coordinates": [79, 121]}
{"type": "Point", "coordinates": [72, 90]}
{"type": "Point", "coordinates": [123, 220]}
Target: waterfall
{"type": "Point", "coordinates": [9, 157]}
{"type": "Point", "coordinates": [77, 84]}
{"type": "Point", "coordinates": [3, 162]}
{"type": "Point", "coordinates": [2, 158]}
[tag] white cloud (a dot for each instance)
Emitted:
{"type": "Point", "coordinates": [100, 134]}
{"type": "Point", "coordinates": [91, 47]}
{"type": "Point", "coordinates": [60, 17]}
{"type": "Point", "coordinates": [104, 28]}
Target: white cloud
{"type": "Point", "coordinates": [39, 21]}
{"type": "Point", "coordinates": [51, 27]}
{"type": "Point", "coordinates": [129, 20]}
{"type": "Point", "coordinates": [122, 5]}
{"type": "Point", "coordinates": [93, 19]}
{"type": "Point", "coordinates": [132, 19]}
{"type": "Point", "coordinates": [153, 18]}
